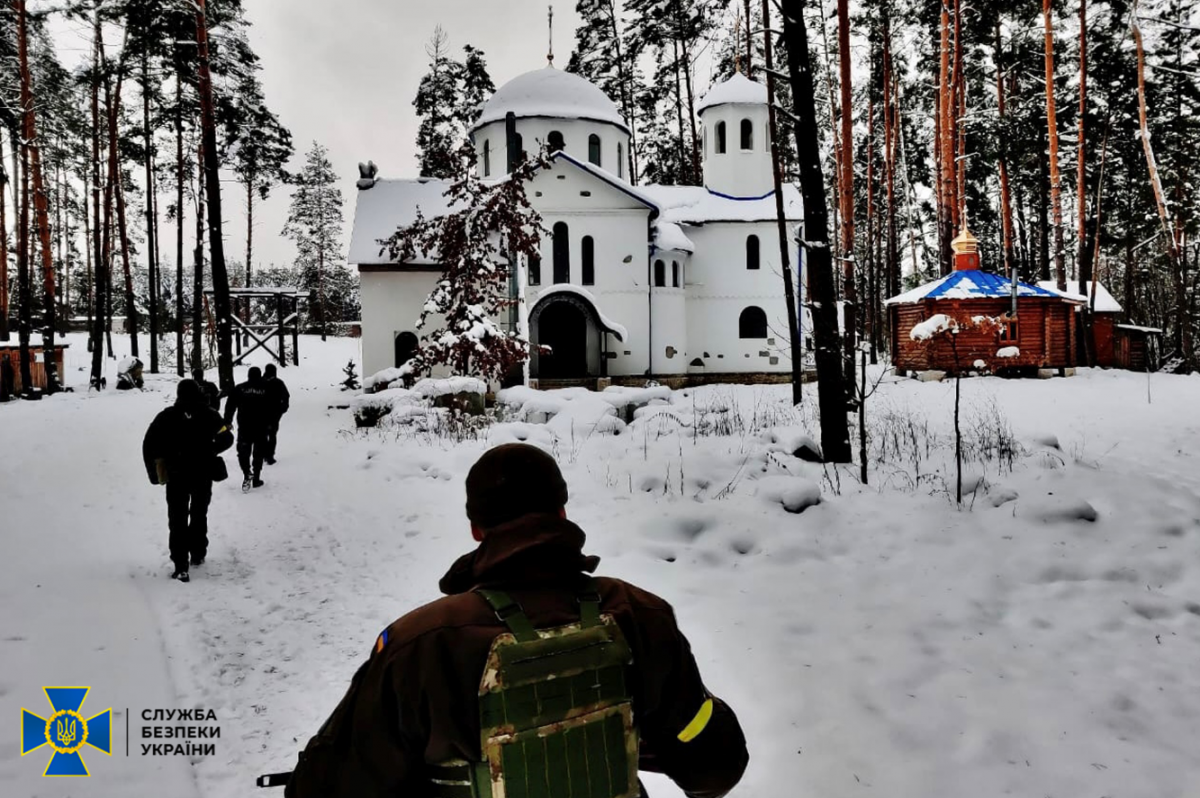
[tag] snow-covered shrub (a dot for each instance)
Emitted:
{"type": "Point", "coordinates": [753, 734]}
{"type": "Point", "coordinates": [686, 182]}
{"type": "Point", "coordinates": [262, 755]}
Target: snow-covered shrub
{"type": "Point", "coordinates": [370, 408]}
{"type": "Point", "coordinates": [381, 380]}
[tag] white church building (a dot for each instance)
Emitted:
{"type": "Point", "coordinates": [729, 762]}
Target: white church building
{"type": "Point", "coordinates": [682, 284]}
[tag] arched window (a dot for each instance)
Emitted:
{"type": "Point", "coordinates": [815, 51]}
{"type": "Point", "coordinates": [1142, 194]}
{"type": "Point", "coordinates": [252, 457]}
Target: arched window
{"type": "Point", "coordinates": [487, 158]}
{"type": "Point", "coordinates": [752, 252]}
{"type": "Point", "coordinates": [562, 253]}
{"type": "Point", "coordinates": [555, 141]}
{"type": "Point", "coordinates": [594, 149]}
{"type": "Point", "coordinates": [620, 160]}
{"type": "Point", "coordinates": [406, 346]}
{"type": "Point", "coordinates": [660, 274]}
{"type": "Point", "coordinates": [752, 323]}
{"type": "Point", "coordinates": [519, 155]}
{"type": "Point", "coordinates": [535, 269]}
{"type": "Point", "coordinates": [674, 274]}
{"type": "Point", "coordinates": [589, 260]}
{"type": "Point", "coordinates": [720, 143]}
{"type": "Point", "coordinates": [747, 134]}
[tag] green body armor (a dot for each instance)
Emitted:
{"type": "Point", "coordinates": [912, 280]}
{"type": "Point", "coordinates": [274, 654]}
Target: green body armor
{"type": "Point", "coordinates": [555, 714]}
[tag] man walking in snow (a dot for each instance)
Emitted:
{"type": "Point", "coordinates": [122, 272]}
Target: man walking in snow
{"type": "Point", "coordinates": [530, 677]}
{"type": "Point", "coordinates": [280, 402]}
{"type": "Point", "coordinates": [251, 401]}
{"type": "Point", "coordinates": [212, 394]}
{"type": "Point", "coordinates": [180, 451]}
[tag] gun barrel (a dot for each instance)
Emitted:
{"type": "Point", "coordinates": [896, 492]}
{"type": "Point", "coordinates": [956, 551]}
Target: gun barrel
{"type": "Point", "coordinates": [274, 779]}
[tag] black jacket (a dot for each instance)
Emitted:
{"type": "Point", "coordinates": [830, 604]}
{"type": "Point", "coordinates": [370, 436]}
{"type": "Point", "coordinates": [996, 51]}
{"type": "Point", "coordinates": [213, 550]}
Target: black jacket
{"type": "Point", "coordinates": [254, 406]}
{"type": "Point", "coordinates": [415, 701]}
{"type": "Point", "coordinates": [211, 393]}
{"type": "Point", "coordinates": [185, 438]}
{"type": "Point", "coordinates": [280, 398]}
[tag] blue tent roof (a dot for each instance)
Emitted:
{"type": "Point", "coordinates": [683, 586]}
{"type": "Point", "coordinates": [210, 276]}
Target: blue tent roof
{"type": "Point", "coordinates": [972, 284]}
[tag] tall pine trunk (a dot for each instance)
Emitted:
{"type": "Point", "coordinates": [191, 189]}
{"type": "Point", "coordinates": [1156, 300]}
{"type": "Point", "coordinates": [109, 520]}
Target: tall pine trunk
{"type": "Point", "coordinates": [100, 276]}
{"type": "Point", "coordinates": [846, 186]}
{"type": "Point", "coordinates": [1183, 331]}
{"type": "Point", "coordinates": [151, 231]}
{"type": "Point", "coordinates": [213, 184]}
{"type": "Point", "coordinates": [198, 273]}
{"type": "Point", "coordinates": [947, 179]}
{"type": "Point", "coordinates": [1060, 268]}
{"type": "Point", "coordinates": [113, 101]}
{"type": "Point", "coordinates": [1006, 220]}
{"type": "Point", "coordinates": [40, 202]}
{"type": "Point", "coordinates": [890, 108]}
{"type": "Point", "coordinates": [4, 296]}
{"type": "Point", "coordinates": [24, 290]}
{"type": "Point", "coordinates": [835, 433]}
{"type": "Point", "coordinates": [789, 285]}
{"type": "Point", "coordinates": [179, 225]}
{"type": "Point", "coordinates": [1083, 261]}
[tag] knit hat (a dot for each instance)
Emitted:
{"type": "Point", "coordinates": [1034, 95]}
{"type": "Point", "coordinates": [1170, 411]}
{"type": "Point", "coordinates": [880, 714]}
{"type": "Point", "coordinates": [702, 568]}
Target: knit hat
{"type": "Point", "coordinates": [188, 393]}
{"type": "Point", "coordinates": [513, 480]}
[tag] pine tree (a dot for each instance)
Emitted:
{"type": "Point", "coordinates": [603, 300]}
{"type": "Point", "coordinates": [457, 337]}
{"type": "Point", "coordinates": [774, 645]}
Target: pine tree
{"type": "Point", "coordinates": [315, 224]}
{"type": "Point", "coordinates": [473, 245]}
{"type": "Point", "coordinates": [601, 55]}
{"type": "Point", "coordinates": [439, 133]}
{"type": "Point", "coordinates": [474, 87]}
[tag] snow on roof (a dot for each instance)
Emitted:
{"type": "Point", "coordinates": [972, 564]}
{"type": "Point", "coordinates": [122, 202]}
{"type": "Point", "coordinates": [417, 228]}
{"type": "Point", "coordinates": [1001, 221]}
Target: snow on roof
{"type": "Point", "coordinates": [970, 284]}
{"type": "Point", "coordinates": [1105, 302]}
{"type": "Point", "coordinates": [388, 205]}
{"type": "Point", "coordinates": [608, 177]}
{"type": "Point", "coordinates": [739, 89]}
{"type": "Point", "coordinates": [551, 92]}
{"type": "Point", "coordinates": [698, 205]}
{"type": "Point", "coordinates": [1135, 328]}
{"type": "Point", "coordinates": [562, 288]}
{"type": "Point", "coordinates": [670, 236]}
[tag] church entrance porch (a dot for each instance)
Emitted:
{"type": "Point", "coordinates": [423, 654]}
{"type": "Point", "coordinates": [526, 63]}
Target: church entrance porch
{"type": "Point", "coordinates": [568, 325]}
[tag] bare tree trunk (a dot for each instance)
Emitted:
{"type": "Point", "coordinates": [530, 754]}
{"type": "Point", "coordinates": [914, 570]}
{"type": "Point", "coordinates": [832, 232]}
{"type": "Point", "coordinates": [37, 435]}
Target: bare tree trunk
{"type": "Point", "coordinates": [198, 272]}
{"type": "Point", "coordinates": [959, 99]}
{"type": "Point", "coordinates": [846, 185]}
{"type": "Point", "coordinates": [946, 148]}
{"type": "Point", "coordinates": [4, 296]}
{"type": "Point", "coordinates": [684, 171]}
{"type": "Point", "coordinates": [151, 232]}
{"type": "Point", "coordinates": [179, 225]}
{"type": "Point", "coordinates": [216, 244]}
{"type": "Point", "coordinates": [1183, 332]}
{"type": "Point", "coordinates": [100, 280]}
{"type": "Point", "coordinates": [890, 106]}
{"type": "Point", "coordinates": [627, 104]}
{"type": "Point", "coordinates": [24, 290]}
{"type": "Point", "coordinates": [1006, 220]}
{"type": "Point", "coordinates": [835, 434]}
{"type": "Point", "coordinates": [1083, 265]}
{"type": "Point", "coordinates": [870, 320]}
{"type": "Point", "coordinates": [1060, 269]}
{"type": "Point", "coordinates": [789, 286]}
{"type": "Point", "coordinates": [40, 201]}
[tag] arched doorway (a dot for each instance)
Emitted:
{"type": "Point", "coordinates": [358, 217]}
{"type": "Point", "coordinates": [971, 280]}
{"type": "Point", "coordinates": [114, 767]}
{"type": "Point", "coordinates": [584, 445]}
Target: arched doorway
{"type": "Point", "coordinates": [406, 346]}
{"type": "Point", "coordinates": [563, 327]}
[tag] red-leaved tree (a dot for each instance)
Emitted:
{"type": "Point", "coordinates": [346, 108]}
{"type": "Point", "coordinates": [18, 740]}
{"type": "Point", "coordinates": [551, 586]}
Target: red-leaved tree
{"type": "Point", "coordinates": [490, 224]}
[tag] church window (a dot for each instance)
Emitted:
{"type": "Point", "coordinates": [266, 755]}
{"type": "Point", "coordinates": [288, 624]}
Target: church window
{"type": "Point", "coordinates": [752, 323]}
{"type": "Point", "coordinates": [556, 141]}
{"type": "Point", "coordinates": [487, 158]}
{"type": "Point", "coordinates": [535, 269]}
{"type": "Point", "coordinates": [519, 155]}
{"type": "Point", "coordinates": [720, 143]}
{"type": "Point", "coordinates": [660, 274]}
{"type": "Point", "coordinates": [752, 252]}
{"type": "Point", "coordinates": [594, 149]}
{"type": "Point", "coordinates": [620, 160]}
{"type": "Point", "coordinates": [562, 253]}
{"type": "Point", "coordinates": [589, 260]}
{"type": "Point", "coordinates": [674, 274]}
{"type": "Point", "coordinates": [747, 134]}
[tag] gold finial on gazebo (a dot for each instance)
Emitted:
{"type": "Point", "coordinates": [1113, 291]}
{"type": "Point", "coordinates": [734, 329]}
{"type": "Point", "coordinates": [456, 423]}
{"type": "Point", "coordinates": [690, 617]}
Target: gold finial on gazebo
{"type": "Point", "coordinates": [966, 251]}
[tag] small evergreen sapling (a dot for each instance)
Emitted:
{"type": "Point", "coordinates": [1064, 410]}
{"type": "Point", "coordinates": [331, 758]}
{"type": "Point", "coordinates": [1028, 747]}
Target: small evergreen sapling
{"type": "Point", "coordinates": [351, 381]}
{"type": "Point", "coordinates": [489, 220]}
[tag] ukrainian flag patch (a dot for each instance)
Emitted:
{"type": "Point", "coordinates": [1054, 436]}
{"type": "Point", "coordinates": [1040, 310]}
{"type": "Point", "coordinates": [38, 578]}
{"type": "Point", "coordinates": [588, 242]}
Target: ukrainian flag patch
{"type": "Point", "coordinates": [381, 642]}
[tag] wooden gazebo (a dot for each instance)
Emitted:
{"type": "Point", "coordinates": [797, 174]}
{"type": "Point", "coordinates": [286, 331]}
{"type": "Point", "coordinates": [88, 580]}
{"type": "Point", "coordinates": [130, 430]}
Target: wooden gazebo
{"type": "Point", "coordinates": [1040, 335]}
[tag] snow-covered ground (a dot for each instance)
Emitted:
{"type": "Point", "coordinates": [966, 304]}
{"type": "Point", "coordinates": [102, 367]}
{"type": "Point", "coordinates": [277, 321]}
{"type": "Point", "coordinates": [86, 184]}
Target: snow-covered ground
{"type": "Point", "coordinates": [882, 641]}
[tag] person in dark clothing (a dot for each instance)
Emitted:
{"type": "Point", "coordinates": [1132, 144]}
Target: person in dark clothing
{"type": "Point", "coordinates": [212, 394]}
{"type": "Point", "coordinates": [179, 451]}
{"type": "Point", "coordinates": [251, 401]}
{"type": "Point", "coordinates": [280, 403]}
{"type": "Point", "coordinates": [412, 715]}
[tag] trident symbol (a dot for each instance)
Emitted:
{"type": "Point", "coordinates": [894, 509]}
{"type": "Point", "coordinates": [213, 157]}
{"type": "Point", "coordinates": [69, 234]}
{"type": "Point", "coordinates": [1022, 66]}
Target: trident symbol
{"type": "Point", "coordinates": [65, 729]}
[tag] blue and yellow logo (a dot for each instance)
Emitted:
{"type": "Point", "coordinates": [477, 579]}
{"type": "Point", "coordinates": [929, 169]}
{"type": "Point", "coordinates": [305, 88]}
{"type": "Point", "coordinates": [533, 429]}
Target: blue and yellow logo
{"type": "Point", "coordinates": [66, 731]}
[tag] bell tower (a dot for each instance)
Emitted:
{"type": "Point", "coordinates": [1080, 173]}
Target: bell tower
{"type": "Point", "coordinates": [734, 118]}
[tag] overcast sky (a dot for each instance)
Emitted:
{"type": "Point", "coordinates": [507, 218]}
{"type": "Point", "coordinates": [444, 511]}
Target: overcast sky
{"type": "Point", "coordinates": [344, 73]}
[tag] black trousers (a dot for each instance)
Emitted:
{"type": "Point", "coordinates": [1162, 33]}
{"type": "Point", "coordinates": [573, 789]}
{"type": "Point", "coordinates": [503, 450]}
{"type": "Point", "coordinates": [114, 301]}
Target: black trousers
{"type": "Point", "coordinates": [251, 449]}
{"type": "Point", "coordinates": [271, 439]}
{"type": "Point", "coordinates": [187, 518]}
